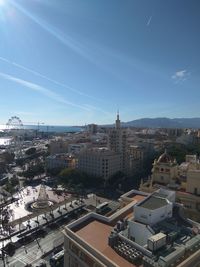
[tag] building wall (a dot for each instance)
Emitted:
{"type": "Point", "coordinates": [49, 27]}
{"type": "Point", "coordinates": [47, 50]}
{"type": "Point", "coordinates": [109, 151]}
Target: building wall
{"type": "Point", "coordinates": [80, 254]}
{"type": "Point", "coordinates": [60, 161]}
{"type": "Point", "coordinates": [118, 143]}
{"type": "Point", "coordinates": [76, 148]}
{"type": "Point", "coordinates": [58, 147]}
{"type": "Point", "coordinates": [151, 217]}
{"type": "Point", "coordinates": [193, 182]}
{"type": "Point", "coordinates": [135, 158]}
{"type": "Point", "coordinates": [92, 128]}
{"type": "Point", "coordinates": [136, 152]}
{"type": "Point", "coordinates": [164, 173]}
{"type": "Point", "coordinates": [77, 256]}
{"type": "Point", "coordinates": [139, 232]}
{"type": "Point", "coordinates": [99, 162]}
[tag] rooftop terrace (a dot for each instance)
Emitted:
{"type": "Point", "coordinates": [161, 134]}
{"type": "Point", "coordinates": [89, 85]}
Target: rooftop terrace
{"type": "Point", "coordinates": [96, 234]}
{"type": "Point", "coordinates": [110, 242]}
{"type": "Point", "coordinates": [96, 229]}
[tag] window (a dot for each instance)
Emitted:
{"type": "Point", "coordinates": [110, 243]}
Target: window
{"type": "Point", "coordinates": [195, 191]}
{"type": "Point", "coordinates": [74, 249]}
{"type": "Point", "coordinates": [143, 216]}
{"type": "Point", "coordinates": [188, 206]}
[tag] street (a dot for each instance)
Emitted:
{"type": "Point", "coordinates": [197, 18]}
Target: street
{"type": "Point", "coordinates": [32, 252]}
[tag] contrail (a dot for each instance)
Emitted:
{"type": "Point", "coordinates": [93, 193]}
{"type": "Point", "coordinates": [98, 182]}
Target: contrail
{"type": "Point", "coordinates": [63, 38]}
{"type": "Point", "coordinates": [80, 48]}
{"type": "Point", "coordinates": [98, 109]}
{"type": "Point", "coordinates": [149, 21]}
{"type": "Point", "coordinates": [46, 78]}
{"type": "Point", "coordinates": [42, 90]}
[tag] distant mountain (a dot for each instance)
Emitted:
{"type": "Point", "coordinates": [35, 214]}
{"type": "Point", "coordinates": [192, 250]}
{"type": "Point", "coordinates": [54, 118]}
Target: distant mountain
{"type": "Point", "coordinates": [164, 123]}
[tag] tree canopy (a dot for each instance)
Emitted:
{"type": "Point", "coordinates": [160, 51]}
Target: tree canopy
{"type": "Point", "coordinates": [30, 151]}
{"type": "Point", "coordinates": [71, 177]}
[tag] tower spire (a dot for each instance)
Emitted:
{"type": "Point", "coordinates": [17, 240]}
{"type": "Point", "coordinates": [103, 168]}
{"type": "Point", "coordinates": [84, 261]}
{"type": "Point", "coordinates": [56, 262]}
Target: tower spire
{"type": "Point", "coordinates": [117, 122]}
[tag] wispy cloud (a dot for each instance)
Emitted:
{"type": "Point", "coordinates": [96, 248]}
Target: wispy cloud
{"type": "Point", "coordinates": [75, 45]}
{"type": "Point", "coordinates": [149, 21]}
{"type": "Point", "coordinates": [42, 90]}
{"type": "Point", "coordinates": [93, 53]}
{"type": "Point", "coordinates": [98, 109]}
{"type": "Point", "coordinates": [82, 47]}
{"type": "Point", "coordinates": [180, 76]}
{"type": "Point", "coordinates": [36, 73]}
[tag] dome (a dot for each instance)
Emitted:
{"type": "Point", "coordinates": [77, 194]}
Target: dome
{"type": "Point", "coordinates": [165, 158]}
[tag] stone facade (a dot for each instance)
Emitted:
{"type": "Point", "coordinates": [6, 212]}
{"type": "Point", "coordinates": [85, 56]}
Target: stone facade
{"type": "Point", "coordinates": [184, 178]}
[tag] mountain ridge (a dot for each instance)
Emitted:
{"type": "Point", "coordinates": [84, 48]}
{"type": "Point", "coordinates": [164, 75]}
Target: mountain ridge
{"type": "Point", "coordinates": [163, 122]}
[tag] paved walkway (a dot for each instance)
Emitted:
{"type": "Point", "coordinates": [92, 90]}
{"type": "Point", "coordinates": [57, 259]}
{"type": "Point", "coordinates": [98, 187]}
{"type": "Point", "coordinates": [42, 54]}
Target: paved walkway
{"type": "Point", "coordinates": [43, 219]}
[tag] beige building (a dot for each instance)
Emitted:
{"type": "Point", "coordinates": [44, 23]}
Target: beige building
{"type": "Point", "coordinates": [60, 161]}
{"type": "Point", "coordinates": [92, 128]}
{"type": "Point", "coordinates": [193, 182]}
{"type": "Point", "coordinates": [135, 157]}
{"type": "Point", "coordinates": [165, 170]}
{"type": "Point", "coordinates": [75, 149]}
{"type": "Point", "coordinates": [184, 178]}
{"type": "Point", "coordinates": [99, 162]}
{"type": "Point", "coordinates": [58, 146]}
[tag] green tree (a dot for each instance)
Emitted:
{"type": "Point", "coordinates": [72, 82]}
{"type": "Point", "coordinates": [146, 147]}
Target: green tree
{"type": "Point", "coordinates": [30, 151]}
{"type": "Point", "coordinates": [9, 187]}
{"type": "Point", "coordinates": [73, 177]}
{"type": "Point", "coordinates": [8, 157]}
{"type": "Point", "coordinates": [53, 172]}
{"type": "Point", "coordinates": [14, 181]}
{"type": "Point", "coordinates": [116, 178]}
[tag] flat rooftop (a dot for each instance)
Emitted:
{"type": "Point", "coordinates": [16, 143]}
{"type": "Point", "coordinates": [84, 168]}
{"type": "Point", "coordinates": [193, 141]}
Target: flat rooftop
{"type": "Point", "coordinates": [96, 234]}
{"type": "Point", "coordinates": [153, 203]}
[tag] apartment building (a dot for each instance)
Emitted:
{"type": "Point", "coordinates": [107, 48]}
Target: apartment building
{"type": "Point", "coordinates": [99, 162]}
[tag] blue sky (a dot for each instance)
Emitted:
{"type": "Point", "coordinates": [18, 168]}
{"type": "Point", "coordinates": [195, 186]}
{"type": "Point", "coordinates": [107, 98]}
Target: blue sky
{"type": "Point", "coordinates": [75, 62]}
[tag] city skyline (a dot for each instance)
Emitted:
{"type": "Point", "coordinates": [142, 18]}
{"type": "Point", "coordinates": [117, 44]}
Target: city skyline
{"type": "Point", "coordinates": [74, 62]}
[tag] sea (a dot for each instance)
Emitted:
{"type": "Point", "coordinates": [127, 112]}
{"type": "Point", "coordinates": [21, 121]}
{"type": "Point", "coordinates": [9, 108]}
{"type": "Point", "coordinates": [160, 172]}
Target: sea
{"type": "Point", "coordinates": [4, 141]}
{"type": "Point", "coordinates": [49, 128]}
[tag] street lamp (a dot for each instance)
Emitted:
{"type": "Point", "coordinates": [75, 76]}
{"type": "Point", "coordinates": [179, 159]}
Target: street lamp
{"type": "Point", "coordinates": [3, 255]}
{"type": "Point", "coordinates": [38, 243]}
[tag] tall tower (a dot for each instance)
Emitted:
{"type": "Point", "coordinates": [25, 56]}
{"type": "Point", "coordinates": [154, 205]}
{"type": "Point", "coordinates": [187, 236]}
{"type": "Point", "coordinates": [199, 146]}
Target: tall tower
{"type": "Point", "coordinates": [118, 142]}
{"type": "Point", "coordinates": [117, 122]}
